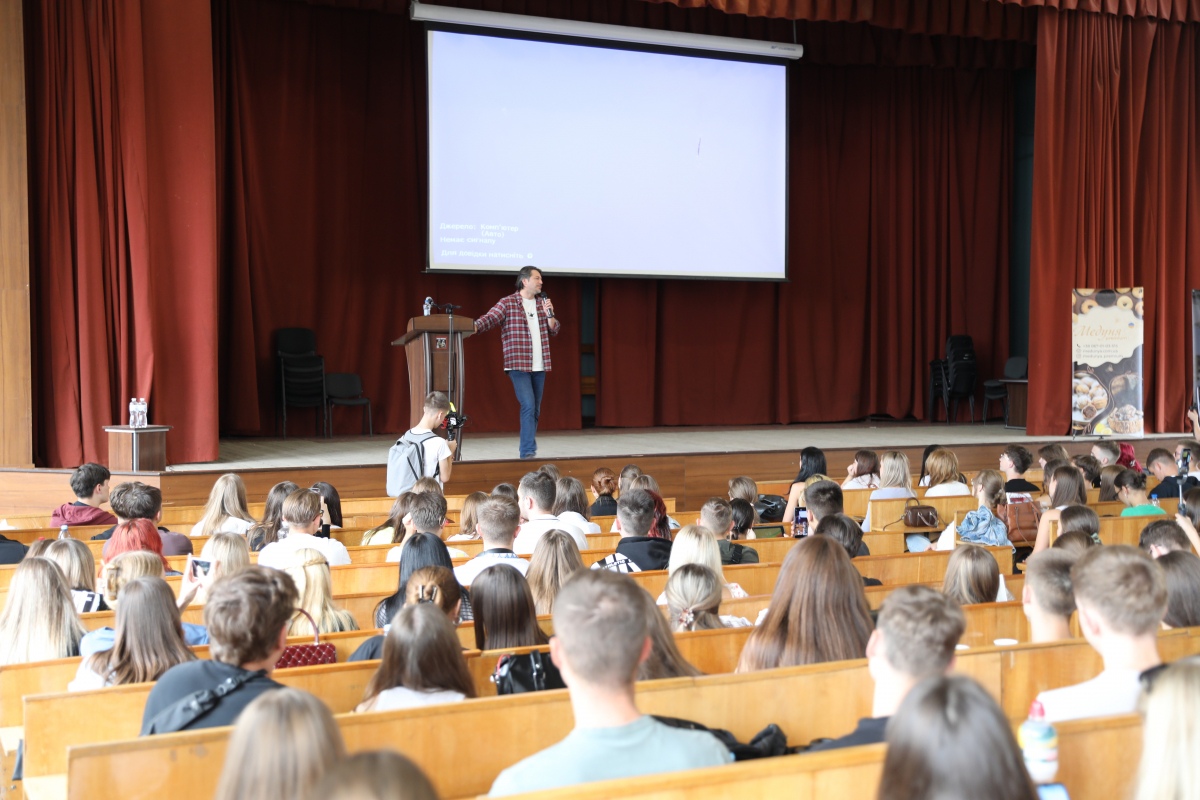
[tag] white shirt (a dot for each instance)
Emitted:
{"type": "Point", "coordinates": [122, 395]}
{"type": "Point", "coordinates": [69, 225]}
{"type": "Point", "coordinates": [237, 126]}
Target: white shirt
{"type": "Point", "coordinates": [578, 520]}
{"type": "Point", "coordinates": [535, 332]}
{"type": "Point", "coordinates": [435, 450]}
{"type": "Point", "coordinates": [861, 482]}
{"type": "Point", "coordinates": [530, 532]}
{"type": "Point", "coordinates": [400, 697]}
{"type": "Point", "coordinates": [467, 572]}
{"type": "Point", "coordinates": [1114, 691]}
{"type": "Point", "coordinates": [278, 554]}
{"type": "Point", "coordinates": [393, 555]}
{"type": "Point", "coordinates": [231, 525]}
{"type": "Point", "coordinates": [952, 489]}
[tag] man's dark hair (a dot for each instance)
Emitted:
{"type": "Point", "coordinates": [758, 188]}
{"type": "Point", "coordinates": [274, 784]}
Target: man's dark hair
{"type": "Point", "coordinates": [823, 499]}
{"type": "Point", "coordinates": [136, 500]}
{"type": "Point", "coordinates": [1021, 458]}
{"type": "Point", "coordinates": [847, 532]}
{"type": "Point", "coordinates": [1090, 467]}
{"type": "Point", "coordinates": [245, 613]}
{"type": "Point", "coordinates": [428, 512]}
{"type": "Point", "coordinates": [525, 274]}
{"type": "Point", "coordinates": [1165, 533]}
{"type": "Point", "coordinates": [635, 512]}
{"type": "Point", "coordinates": [1160, 454]}
{"type": "Point", "coordinates": [540, 487]}
{"type": "Point", "coordinates": [87, 477]}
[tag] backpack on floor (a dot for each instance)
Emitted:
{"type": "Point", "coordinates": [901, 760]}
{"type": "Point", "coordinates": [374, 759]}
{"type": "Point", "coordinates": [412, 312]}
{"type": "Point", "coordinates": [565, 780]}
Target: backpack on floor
{"type": "Point", "coordinates": [406, 463]}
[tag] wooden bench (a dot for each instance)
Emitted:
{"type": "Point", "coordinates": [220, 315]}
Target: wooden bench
{"type": "Point", "coordinates": [889, 514]}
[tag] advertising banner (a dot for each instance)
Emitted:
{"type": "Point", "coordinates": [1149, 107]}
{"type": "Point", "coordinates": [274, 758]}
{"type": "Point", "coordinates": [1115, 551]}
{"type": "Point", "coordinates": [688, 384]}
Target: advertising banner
{"type": "Point", "coordinates": [1106, 347]}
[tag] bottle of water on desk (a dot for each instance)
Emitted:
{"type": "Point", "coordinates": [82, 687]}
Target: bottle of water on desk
{"type": "Point", "coordinates": [143, 407]}
{"type": "Point", "coordinates": [1039, 744]}
{"type": "Point", "coordinates": [64, 533]}
{"type": "Point", "coordinates": [133, 411]}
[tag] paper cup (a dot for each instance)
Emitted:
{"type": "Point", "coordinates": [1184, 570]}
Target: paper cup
{"type": "Point", "coordinates": [1004, 642]}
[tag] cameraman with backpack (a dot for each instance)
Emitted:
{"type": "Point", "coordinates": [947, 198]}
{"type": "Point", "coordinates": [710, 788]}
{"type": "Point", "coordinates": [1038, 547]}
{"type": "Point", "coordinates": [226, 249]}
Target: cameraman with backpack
{"type": "Point", "coordinates": [421, 453]}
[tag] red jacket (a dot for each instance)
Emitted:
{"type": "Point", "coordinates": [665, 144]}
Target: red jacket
{"type": "Point", "coordinates": [71, 514]}
{"type": "Point", "coordinates": [515, 340]}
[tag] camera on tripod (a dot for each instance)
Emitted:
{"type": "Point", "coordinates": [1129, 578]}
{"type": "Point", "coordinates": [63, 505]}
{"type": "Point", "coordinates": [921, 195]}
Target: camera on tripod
{"type": "Point", "coordinates": [454, 421]}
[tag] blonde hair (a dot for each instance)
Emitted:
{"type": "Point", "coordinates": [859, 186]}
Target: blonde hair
{"type": "Point", "coordinates": [695, 544]}
{"type": "Point", "coordinates": [39, 622]}
{"type": "Point", "coordinates": [76, 561]}
{"type": "Point", "coordinates": [378, 775]}
{"type": "Point", "coordinates": [314, 586]}
{"type": "Point", "coordinates": [992, 481]}
{"type": "Point", "coordinates": [555, 559]}
{"type": "Point", "coordinates": [427, 485]}
{"type": "Point", "coordinates": [894, 470]}
{"type": "Point", "coordinates": [694, 599]}
{"type": "Point", "coordinates": [280, 748]}
{"type": "Point", "coordinates": [942, 465]}
{"type": "Point", "coordinates": [1170, 735]}
{"type": "Point", "coordinates": [230, 549]}
{"type": "Point", "coordinates": [124, 568]}
{"type": "Point", "coordinates": [469, 517]}
{"type": "Point", "coordinates": [743, 488]}
{"type": "Point", "coordinates": [972, 575]}
{"type": "Point", "coordinates": [226, 501]}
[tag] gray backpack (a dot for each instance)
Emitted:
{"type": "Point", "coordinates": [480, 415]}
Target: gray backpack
{"type": "Point", "coordinates": [406, 463]}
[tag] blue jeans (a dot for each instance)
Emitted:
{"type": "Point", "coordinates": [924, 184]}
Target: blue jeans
{"type": "Point", "coordinates": [528, 386]}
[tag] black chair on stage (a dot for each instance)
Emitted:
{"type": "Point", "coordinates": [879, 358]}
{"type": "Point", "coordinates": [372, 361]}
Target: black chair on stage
{"type": "Point", "coordinates": [301, 375]}
{"type": "Point", "coordinates": [345, 389]}
{"type": "Point", "coordinates": [1015, 369]}
{"type": "Point", "coordinates": [959, 375]}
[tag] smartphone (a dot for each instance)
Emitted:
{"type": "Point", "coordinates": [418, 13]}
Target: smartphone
{"type": "Point", "coordinates": [801, 521]}
{"type": "Point", "coordinates": [1052, 791]}
{"type": "Point", "coordinates": [200, 568]}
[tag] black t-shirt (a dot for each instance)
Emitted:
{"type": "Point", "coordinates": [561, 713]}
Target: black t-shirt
{"type": "Point", "coordinates": [1020, 485]}
{"type": "Point", "coordinates": [370, 650]}
{"type": "Point", "coordinates": [1169, 488]}
{"type": "Point", "coordinates": [11, 551]}
{"type": "Point", "coordinates": [604, 506]}
{"type": "Point", "coordinates": [182, 680]}
{"type": "Point", "coordinates": [871, 730]}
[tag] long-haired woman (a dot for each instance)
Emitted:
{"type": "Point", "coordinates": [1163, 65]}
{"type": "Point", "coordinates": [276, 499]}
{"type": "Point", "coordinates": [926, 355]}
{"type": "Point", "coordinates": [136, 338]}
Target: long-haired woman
{"type": "Point", "coordinates": [1182, 568]}
{"type": "Point", "coordinates": [944, 478]}
{"type": "Point", "coordinates": [972, 576]}
{"type": "Point", "coordinates": [1131, 490]}
{"type": "Point", "coordinates": [1170, 735]}
{"type": "Point", "coordinates": [39, 621]}
{"type": "Point", "coordinates": [863, 471]}
{"type": "Point", "coordinates": [267, 531]}
{"type": "Point", "coordinates": [421, 550]}
{"type": "Point", "coordinates": [1066, 487]}
{"type": "Point", "coordinates": [314, 585]}
{"type": "Point", "coordinates": [79, 566]}
{"type": "Point", "coordinates": [505, 614]}
{"type": "Point", "coordinates": [696, 544]}
{"type": "Point", "coordinates": [149, 640]}
{"type": "Point", "coordinates": [392, 530]}
{"type": "Point", "coordinates": [225, 509]}
{"type": "Point", "coordinates": [665, 660]}
{"type": "Point", "coordinates": [1108, 481]}
{"type": "Point", "coordinates": [555, 559]}
{"type": "Point", "coordinates": [422, 663]}
{"type": "Point", "coordinates": [118, 573]}
{"type": "Point", "coordinates": [812, 462]}
{"type": "Point", "coordinates": [818, 611]}
{"type": "Point", "coordinates": [571, 505]}
{"type": "Point", "coordinates": [604, 486]}
{"type": "Point", "coordinates": [436, 586]}
{"type": "Point", "coordinates": [333, 503]}
{"type": "Point", "coordinates": [228, 553]}
{"type": "Point", "coordinates": [694, 599]}
{"type": "Point", "coordinates": [376, 775]}
{"type": "Point", "coordinates": [981, 525]}
{"type": "Point", "coordinates": [895, 482]}
{"type": "Point", "coordinates": [468, 518]}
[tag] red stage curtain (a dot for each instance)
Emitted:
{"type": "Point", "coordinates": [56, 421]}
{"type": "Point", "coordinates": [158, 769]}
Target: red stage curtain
{"type": "Point", "coordinates": [122, 218]}
{"type": "Point", "coordinates": [898, 238]}
{"type": "Point", "coordinates": [1116, 197]}
{"type": "Point", "coordinates": [1172, 10]}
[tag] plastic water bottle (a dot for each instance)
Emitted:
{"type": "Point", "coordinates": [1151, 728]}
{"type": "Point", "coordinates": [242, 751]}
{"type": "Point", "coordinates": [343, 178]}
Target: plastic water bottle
{"type": "Point", "coordinates": [1039, 744]}
{"type": "Point", "coordinates": [63, 533]}
{"type": "Point", "coordinates": [143, 407]}
{"type": "Point", "coordinates": [133, 412]}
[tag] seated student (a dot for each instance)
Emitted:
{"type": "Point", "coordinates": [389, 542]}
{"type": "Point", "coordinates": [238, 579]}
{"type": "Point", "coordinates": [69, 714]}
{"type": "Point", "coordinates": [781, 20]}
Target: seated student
{"type": "Point", "coordinates": [267, 531]}
{"type": "Point", "coordinates": [397, 527]}
{"type": "Point", "coordinates": [600, 638]}
{"type": "Point", "coordinates": [744, 519]}
{"type": "Point", "coordinates": [636, 552]}
{"type": "Point", "coordinates": [1090, 467]}
{"type": "Point", "coordinates": [505, 615]}
{"type": "Point", "coordinates": [1121, 596]}
{"type": "Point", "coordinates": [696, 544]}
{"type": "Point", "coordinates": [314, 585]}
{"type": "Point", "coordinates": [717, 515]}
{"type": "Point", "coordinates": [1131, 490]}
{"type": "Point", "coordinates": [1048, 598]}
{"type": "Point", "coordinates": [226, 509]}
{"type": "Point", "coordinates": [247, 616]}
{"type": "Point", "coordinates": [945, 479]}
{"type": "Point", "coordinates": [148, 640]}
{"type": "Point", "coordinates": [228, 554]}
{"type": "Point", "coordinates": [973, 576]}
{"type": "Point", "coordinates": [914, 639]}
{"type": "Point", "coordinates": [1108, 489]}
{"type": "Point", "coordinates": [39, 621]}
{"type": "Point", "coordinates": [432, 585]}
{"type": "Point", "coordinates": [1128, 457]}
{"type": "Point", "coordinates": [693, 596]}
{"type": "Point", "coordinates": [135, 500]}
{"type": "Point", "coordinates": [1065, 488]}
{"type": "Point", "coordinates": [1170, 736]}
{"type": "Point", "coordinates": [1190, 447]}
{"type": "Point", "coordinates": [950, 739]}
{"type": "Point", "coordinates": [812, 462]}
{"type": "Point", "coordinates": [333, 503]}
{"type": "Point", "coordinates": [468, 518]}
{"type": "Point", "coordinates": [1075, 544]}
{"type": "Point", "coordinates": [497, 520]}
{"type": "Point", "coordinates": [661, 529]}
{"type": "Point", "coordinates": [825, 499]}
{"type": "Point", "coordinates": [554, 561]}
{"type": "Point", "coordinates": [848, 535]}
{"type": "Point", "coordinates": [1189, 518]}
{"type": "Point", "coordinates": [981, 525]}
{"type": "Point", "coordinates": [375, 775]}
{"type": "Point", "coordinates": [89, 482]}
{"type": "Point", "coordinates": [648, 483]}
{"type": "Point", "coordinates": [1015, 461]}
{"type": "Point", "coordinates": [604, 485]}
{"type": "Point", "coordinates": [1079, 519]}
{"type": "Point", "coordinates": [744, 488]}
{"type": "Point", "coordinates": [422, 663]}
{"type": "Point", "coordinates": [1162, 465]}
{"type": "Point", "coordinates": [281, 746]}
{"type": "Point", "coordinates": [1182, 570]}
{"type": "Point", "coordinates": [136, 534]}
{"type": "Point", "coordinates": [551, 470]}
{"type": "Point", "coordinates": [1052, 452]}
{"type": "Point", "coordinates": [302, 515]}
{"type": "Point", "coordinates": [79, 566]}
{"type": "Point", "coordinates": [427, 514]}
{"type": "Point", "coordinates": [1107, 452]}
{"type": "Point", "coordinates": [118, 572]}
{"type": "Point", "coordinates": [571, 506]}
{"type": "Point", "coordinates": [818, 611]}
{"type": "Point", "coordinates": [535, 496]}
{"type": "Point", "coordinates": [895, 482]}
{"type": "Point", "coordinates": [628, 473]}
{"type": "Point", "coordinates": [12, 551]}
{"type": "Point", "coordinates": [420, 551]}
{"type": "Point", "coordinates": [863, 472]}
{"type": "Point", "coordinates": [1162, 536]}
{"type": "Point", "coordinates": [505, 490]}
{"type": "Point", "coordinates": [665, 660]}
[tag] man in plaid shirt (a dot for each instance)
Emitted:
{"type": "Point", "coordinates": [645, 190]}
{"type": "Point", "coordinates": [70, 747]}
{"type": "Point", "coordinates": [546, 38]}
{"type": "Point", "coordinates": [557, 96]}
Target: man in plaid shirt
{"type": "Point", "coordinates": [525, 330]}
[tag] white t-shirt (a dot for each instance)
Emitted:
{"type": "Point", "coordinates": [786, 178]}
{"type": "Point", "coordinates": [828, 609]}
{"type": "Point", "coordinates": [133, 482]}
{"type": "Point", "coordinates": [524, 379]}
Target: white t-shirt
{"type": "Point", "coordinates": [952, 489]}
{"type": "Point", "coordinates": [1114, 691]}
{"type": "Point", "coordinates": [400, 697]}
{"type": "Point", "coordinates": [435, 450]}
{"type": "Point", "coordinates": [535, 333]}
{"type": "Point", "coordinates": [529, 533]}
{"type": "Point", "coordinates": [578, 520]}
{"type": "Point", "coordinates": [466, 573]}
{"type": "Point", "coordinates": [230, 525]}
{"type": "Point", "coordinates": [278, 554]}
{"type": "Point", "coordinates": [861, 482]}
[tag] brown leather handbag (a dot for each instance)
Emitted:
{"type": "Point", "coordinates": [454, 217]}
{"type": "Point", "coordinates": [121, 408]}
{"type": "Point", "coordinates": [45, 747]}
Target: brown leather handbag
{"type": "Point", "coordinates": [918, 516]}
{"type": "Point", "coordinates": [308, 655]}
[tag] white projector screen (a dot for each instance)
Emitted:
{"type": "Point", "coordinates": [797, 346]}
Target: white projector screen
{"type": "Point", "coordinates": [592, 160]}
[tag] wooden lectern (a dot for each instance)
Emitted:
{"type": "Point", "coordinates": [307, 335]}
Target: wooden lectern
{"type": "Point", "coordinates": [428, 344]}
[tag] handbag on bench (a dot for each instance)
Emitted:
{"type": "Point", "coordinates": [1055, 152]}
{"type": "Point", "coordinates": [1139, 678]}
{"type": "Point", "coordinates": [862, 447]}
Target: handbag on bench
{"type": "Point", "coordinates": [307, 655]}
{"type": "Point", "coordinates": [918, 516]}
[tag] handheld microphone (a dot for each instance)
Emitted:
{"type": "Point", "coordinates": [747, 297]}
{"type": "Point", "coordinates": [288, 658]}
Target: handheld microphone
{"type": "Point", "coordinates": [541, 296]}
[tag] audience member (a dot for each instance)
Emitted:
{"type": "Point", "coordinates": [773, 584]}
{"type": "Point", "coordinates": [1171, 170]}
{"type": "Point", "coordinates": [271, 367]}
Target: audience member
{"type": "Point", "coordinates": [950, 739]}
{"type": "Point", "coordinates": [863, 471]}
{"type": "Point", "coordinates": [945, 480]}
{"type": "Point", "coordinates": [1128, 457]}
{"type": "Point", "coordinates": [1106, 452]}
{"type": "Point", "coordinates": [812, 462]}
{"type": "Point", "coordinates": [895, 482]}
{"type": "Point", "coordinates": [1079, 519]}
{"type": "Point", "coordinates": [505, 615]}
{"type": "Point", "coordinates": [148, 640]}
{"type": "Point", "coordinates": [468, 518]}
{"type": "Point", "coordinates": [427, 514]}
{"type": "Point", "coordinates": [227, 553]}
{"type": "Point", "coordinates": [136, 534]}
{"type": "Point", "coordinates": [394, 530]}
{"type": "Point", "coordinates": [536, 495]}
{"type": "Point", "coordinates": [717, 516]}
{"type": "Point", "coordinates": [302, 515]}
{"type": "Point", "coordinates": [972, 576]}
{"type": "Point", "coordinates": [847, 533]}
{"type": "Point", "coordinates": [693, 596]}
{"type": "Point", "coordinates": [1170, 736]}
{"type": "Point", "coordinates": [628, 473]}
{"type": "Point", "coordinates": [604, 486]}
{"type": "Point", "coordinates": [118, 572]}
{"type": "Point", "coordinates": [1121, 597]}
{"type": "Point", "coordinates": [1162, 536]}
{"type": "Point", "coordinates": [375, 775]}
{"type": "Point", "coordinates": [1065, 486]}
{"type": "Point", "coordinates": [89, 483]}
{"type": "Point", "coordinates": [1182, 570]}
{"type": "Point", "coordinates": [314, 585]}
{"type": "Point", "coordinates": [1191, 449]}
{"type": "Point", "coordinates": [268, 531]}
{"type": "Point", "coordinates": [1048, 598]}
{"type": "Point", "coordinates": [695, 544]}
{"type": "Point", "coordinates": [1108, 488]}
{"type": "Point", "coordinates": [12, 551]}
{"type": "Point", "coordinates": [571, 505]}
{"type": "Point", "coordinates": [914, 639]}
{"type": "Point", "coordinates": [420, 551]}
{"type": "Point", "coordinates": [647, 483]}
{"type": "Point", "coordinates": [743, 488]}
{"type": "Point", "coordinates": [39, 621]}
{"type": "Point", "coordinates": [554, 561]}
{"type": "Point", "coordinates": [818, 611]}
{"type": "Point", "coordinates": [497, 522]}
{"type": "Point", "coordinates": [247, 616]}
{"type": "Point", "coordinates": [1076, 544]}
{"type": "Point", "coordinates": [665, 660]}
{"type": "Point", "coordinates": [1131, 490]}
{"type": "Point", "coordinates": [636, 552]}
{"type": "Point", "coordinates": [427, 486]}
{"type": "Point", "coordinates": [505, 490]}
{"type": "Point", "coordinates": [1090, 467]}
{"type": "Point", "coordinates": [1162, 466]}
{"type": "Point", "coordinates": [551, 470]}
{"type": "Point", "coordinates": [226, 509]}
{"type": "Point", "coordinates": [1189, 518]}
{"type": "Point", "coordinates": [1052, 452]}
{"type": "Point", "coordinates": [744, 520]}
{"type": "Point", "coordinates": [431, 585]}
{"type": "Point", "coordinates": [981, 525]}
{"type": "Point", "coordinates": [600, 638]}
{"type": "Point", "coordinates": [1015, 461]}
{"type": "Point", "coordinates": [79, 568]}
{"type": "Point", "coordinates": [333, 503]}
{"type": "Point", "coordinates": [135, 500]}
{"type": "Point", "coordinates": [422, 663]}
{"type": "Point", "coordinates": [929, 450]}
{"type": "Point", "coordinates": [825, 499]}
{"type": "Point", "coordinates": [437, 454]}
{"type": "Point", "coordinates": [280, 748]}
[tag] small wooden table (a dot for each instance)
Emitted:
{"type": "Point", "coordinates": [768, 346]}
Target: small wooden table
{"type": "Point", "coordinates": [1018, 402]}
{"type": "Point", "coordinates": [137, 449]}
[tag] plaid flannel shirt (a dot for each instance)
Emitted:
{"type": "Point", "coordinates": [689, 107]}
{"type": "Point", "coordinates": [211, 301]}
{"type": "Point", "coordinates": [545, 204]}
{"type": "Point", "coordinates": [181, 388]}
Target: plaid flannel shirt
{"type": "Point", "coordinates": [515, 340]}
